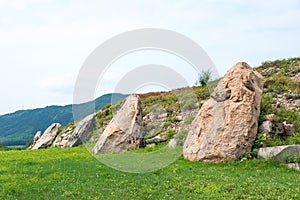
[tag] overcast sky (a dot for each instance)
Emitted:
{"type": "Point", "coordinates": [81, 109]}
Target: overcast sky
{"type": "Point", "coordinates": [43, 43]}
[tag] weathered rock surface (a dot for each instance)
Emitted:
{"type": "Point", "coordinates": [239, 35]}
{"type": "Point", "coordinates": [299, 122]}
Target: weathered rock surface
{"type": "Point", "coordinates": [266, 126]}
{"type": "Point", "coordinates": [226, 125]}
{"type": "Point", "coordinates": [124, 131]}
{"type": "Point", "coordinates": [280, 153]}
{"type": "Point", "coordinates": [37, 136]}
{"type": "Point", "coordinates": [48, 137]}
{"type": "Point", "coordinates": [81, 133]}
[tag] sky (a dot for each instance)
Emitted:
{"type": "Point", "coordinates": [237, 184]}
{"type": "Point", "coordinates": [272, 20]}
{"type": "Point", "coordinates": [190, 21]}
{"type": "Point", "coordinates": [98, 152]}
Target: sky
{"type": "Point", "coordinates": [44, 43]}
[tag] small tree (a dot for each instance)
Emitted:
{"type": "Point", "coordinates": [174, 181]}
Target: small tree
{"type": "Point", "coordinates": [203, 78]}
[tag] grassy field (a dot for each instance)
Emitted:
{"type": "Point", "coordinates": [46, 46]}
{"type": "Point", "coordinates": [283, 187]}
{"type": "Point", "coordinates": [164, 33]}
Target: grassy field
{"type": "Point", "coordinates": [74, 174]}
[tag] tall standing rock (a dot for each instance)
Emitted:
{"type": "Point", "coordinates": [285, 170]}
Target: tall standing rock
{"type": "Point", "coordinates": [226, 125]}
{"type": "Point", "coordinates": [124, 131]}
{"type": "Point", "coordinates": [48, 137]}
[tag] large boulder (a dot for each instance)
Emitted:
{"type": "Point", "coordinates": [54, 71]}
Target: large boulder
{"type": "Point", "coordinates": [48, 137]}
{"type": "Point", "coordinates": [226, 125]}
{"type": "Point", "coordinates": [81, 133]}
{"type": "Point", "coordinates": [280, 153]}
{"type": "Point", "coordinates": [124, 131]}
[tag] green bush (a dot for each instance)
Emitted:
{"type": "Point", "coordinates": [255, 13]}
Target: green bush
{"type": "Point", "coordinates": [170, 133]}
{"type": "Point", "coordinates": [181, 136]}
{"type": "Point", "coordinates": [188, 120]}
{"type": "Point", "coordinates": [203, 78]}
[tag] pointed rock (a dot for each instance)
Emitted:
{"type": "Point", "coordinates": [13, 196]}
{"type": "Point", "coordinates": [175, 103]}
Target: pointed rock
{"type": "Point", "coordinates": [82, 132]}
{"type": "Point", "coordinates": [124, 131]}
{"type": "Point", "coordinates": [48, 137]}
{"type": "Point", "coordinates": [226, 124]}
{"type": "Point", "coordinates": [37, 136]}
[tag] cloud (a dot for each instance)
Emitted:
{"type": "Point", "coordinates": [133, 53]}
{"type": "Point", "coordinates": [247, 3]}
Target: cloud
{"type": "Point", "coordinates": [61, 83]}
{"type": "Point", "coordinates": [52, 38]}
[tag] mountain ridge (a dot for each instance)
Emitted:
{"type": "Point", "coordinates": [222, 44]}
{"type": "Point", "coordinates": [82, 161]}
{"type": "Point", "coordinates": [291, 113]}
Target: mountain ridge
{"type": "Point", "coordinates": [19, 127]}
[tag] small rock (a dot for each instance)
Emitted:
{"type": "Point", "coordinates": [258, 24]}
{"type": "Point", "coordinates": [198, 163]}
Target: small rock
{"type": "Point", "coordinates": [289, 129]}
{"type": "Point", "coordinates": [156, 139]}
{"type": "Point", "coordinates": [293, 165]}
{"type": "Point", "coordinates": [280, 153]}
{"type": "Point", "coordinates": [179, 118]}
{"type": "Point", "coordinates": [270, 117]}
{"type": "Point", "coordinates": [279, 128]}
{"type": "Point", "coordinates": [151, 145]}
{"type": "Point", "coordinates": [266, 126]}
{"type": "Point", "coordinates": [162, 116]}
{"type": "Point", "coordinates": [172, 143]}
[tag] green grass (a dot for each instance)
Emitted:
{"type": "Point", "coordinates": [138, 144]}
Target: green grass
{"type": "Point", "coordinates": [74, 174]}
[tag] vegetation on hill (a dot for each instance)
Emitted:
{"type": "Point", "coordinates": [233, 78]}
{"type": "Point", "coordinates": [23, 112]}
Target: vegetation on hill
{"type": "Point", "coordinates": [19, 128]}
{"type": "Point", "coordinates": [281, 84]}
{"type": "Point", "coordinates": [281, 96]}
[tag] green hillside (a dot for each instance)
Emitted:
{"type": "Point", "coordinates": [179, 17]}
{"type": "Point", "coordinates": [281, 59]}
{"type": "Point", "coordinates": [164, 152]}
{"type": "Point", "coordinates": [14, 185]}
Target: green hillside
{"type": "Point", "coordinates": [19, 128]}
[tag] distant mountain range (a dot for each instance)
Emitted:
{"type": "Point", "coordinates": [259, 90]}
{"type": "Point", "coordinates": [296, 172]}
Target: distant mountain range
{"type": "Point", "coordinates": [18, 128]}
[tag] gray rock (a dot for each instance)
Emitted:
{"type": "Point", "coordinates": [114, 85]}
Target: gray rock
{"type": "Point", "coordinates": [226, 125]}
{"type": "Point", "coordinates": [48, 137]}
{"type": "Point", "coordinates": [280, 153]}
{"type": "Point", "coordinates": [266, 126]}
{"type": "Point", "coordinates": [162, 116]}
{"type": "Point", "coordinates": [83, 131]}
{"type": "Point", "coordinates": [293, 165]}
{"type": "Point", "coordinates": [37, 136]}
{"type": "Point", "coordinates": [279, 128]}
{"type": "Point", "coordinates": [289, 129]}
{"type": "Point", "coordinates": [179, 118]}
{"type": "Point", "coordinates": [172, 143]}
{"type": "Point", "coordinates": [124, 131]}
{"type": "Point", "coordinates": [73, 137]}
{"type": "Point", "coordinates": [155, 140]}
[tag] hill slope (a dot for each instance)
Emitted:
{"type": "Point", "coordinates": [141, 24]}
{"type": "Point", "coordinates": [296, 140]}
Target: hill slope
{"type": "Point", "coordinates": [19, 128]}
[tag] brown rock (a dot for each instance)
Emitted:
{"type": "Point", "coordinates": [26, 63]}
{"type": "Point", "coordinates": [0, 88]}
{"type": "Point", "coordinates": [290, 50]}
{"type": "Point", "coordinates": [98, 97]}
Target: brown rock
{"type": "Point", "coordinates": [270, 117]}
{"type": "Point", "coordinates": [124, 131]}
{"type": "Point", "coordinates": [226, 125]}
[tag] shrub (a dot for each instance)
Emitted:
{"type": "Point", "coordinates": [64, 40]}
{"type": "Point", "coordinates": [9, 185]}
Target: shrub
{"type": "Point", "coordinates": [188, 120]}
{"type": "Point", "coordinates": [203, 78]}
{"type": "Point", "coordinates": [181, 136]}
{"type": "Point", "coordinates": [170, 134]}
